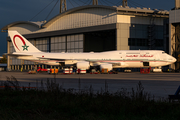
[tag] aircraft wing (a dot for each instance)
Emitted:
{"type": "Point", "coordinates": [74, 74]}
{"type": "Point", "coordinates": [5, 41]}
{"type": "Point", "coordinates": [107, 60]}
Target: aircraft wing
{"type": "Point", "coordinates": [59, 59]}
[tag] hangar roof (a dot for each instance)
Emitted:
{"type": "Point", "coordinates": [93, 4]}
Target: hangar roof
{"type": "Point", "coordinates": [76, 9]}
{"type": "Point", "coordinates": [37, 24]}
{"type": "Point", "coordinates": [120, 10]}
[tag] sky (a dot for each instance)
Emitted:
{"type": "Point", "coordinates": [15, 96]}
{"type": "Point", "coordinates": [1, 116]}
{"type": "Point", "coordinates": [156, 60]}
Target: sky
{"type": "Point", "coordinates": [27, 10]}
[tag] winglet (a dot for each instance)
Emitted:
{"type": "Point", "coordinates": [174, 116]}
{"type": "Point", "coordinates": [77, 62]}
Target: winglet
{"type": "Point", "coordinates": [20, 43]}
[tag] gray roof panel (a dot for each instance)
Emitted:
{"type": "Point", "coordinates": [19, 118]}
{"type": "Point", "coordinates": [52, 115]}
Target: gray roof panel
{"type": "Point", "coordinates": [37, 24]}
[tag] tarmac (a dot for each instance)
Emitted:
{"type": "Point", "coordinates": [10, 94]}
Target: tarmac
{"type": "Point", "coordinates": [158, 84]}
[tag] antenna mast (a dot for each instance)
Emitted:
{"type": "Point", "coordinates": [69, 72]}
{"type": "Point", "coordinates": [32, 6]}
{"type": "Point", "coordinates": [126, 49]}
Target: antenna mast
{"type": "Point", "coordinates": [63, 6]}
{"type": "Point", "coordinates": [95, 2]}
{"type": "Point", "coordinates": [124, 3]}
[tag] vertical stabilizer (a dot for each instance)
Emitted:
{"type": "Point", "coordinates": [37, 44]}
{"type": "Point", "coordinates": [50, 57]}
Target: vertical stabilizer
{"type": "Point", "coordinates": [20, 43]}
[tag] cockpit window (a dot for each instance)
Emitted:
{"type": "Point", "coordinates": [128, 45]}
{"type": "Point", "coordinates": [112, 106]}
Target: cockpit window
{"type": "Point", "coordinates": [163, 52]}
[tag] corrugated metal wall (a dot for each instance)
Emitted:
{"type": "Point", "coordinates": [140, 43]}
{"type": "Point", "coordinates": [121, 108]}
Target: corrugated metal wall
{"type": "Point", "coordinates": [78, 19]}
{"type": "Point", "coordinates": [24, 28]}
{"type": "Point", "coordinates": [84, 18]}
{"type": "Point", "coordinates": [138, 19]}
{"type": "Point", "coordinates": [174, 16]}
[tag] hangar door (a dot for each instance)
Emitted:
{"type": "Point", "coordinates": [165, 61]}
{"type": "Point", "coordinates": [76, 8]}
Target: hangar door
{"type": "Point", "coordinates": [100, 41]}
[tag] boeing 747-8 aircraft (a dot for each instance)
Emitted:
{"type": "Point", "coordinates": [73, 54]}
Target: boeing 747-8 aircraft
{"type": "Point", "coordinates": [112, 59]}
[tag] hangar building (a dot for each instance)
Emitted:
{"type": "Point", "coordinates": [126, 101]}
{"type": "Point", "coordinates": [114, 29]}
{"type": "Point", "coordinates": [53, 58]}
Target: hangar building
{"type": "Point", "coordinates": [174, 33]}
{"type": "Point", "coordinates": [93, 28]}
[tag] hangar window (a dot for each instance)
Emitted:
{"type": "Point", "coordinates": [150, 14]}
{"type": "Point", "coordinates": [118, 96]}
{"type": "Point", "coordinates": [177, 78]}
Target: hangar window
{"type": "Point", "coordinates": [137, 42]}
{"type": "Point", "coordinates": [58, 44]}
{"type": "Point", "coordinates": [11, 48]}
{"type": "Point", "coordinates": [159, 42]}
{"type": "Point", "coordinates": [43, 44]}
{"type": "Point", "coordinates": [71, 43]}
{"type": "Point", "coordinates": [75, 43]}
{"type": "Point", "coordinates": [143, 42]}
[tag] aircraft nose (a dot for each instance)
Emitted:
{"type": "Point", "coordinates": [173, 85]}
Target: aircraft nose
{"type": "Point", "coordinates": [174, 59]}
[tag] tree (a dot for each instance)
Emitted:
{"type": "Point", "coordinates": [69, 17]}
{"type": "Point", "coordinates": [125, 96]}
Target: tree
{"type": "Point", "coordinates": [4, 59]}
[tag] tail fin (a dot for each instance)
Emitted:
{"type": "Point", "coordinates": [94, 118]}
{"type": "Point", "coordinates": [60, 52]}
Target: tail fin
{"type": "Point", "coordinates": [20, 43]}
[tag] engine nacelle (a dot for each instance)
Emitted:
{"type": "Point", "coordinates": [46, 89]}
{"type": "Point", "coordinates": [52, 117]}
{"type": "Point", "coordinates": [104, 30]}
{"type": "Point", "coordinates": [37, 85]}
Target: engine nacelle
{"type": "Point", "coordinates": [106, 66]}
{"type": "Point", "coordinates": [82, 65]}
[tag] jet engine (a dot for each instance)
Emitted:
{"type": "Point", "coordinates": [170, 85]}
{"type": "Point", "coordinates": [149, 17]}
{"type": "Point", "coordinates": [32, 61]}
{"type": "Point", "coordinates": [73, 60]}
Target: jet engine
{"type": "Point", "coordinates": [82, 65]}
{"type": "Point", "coordinates": [106, 66]}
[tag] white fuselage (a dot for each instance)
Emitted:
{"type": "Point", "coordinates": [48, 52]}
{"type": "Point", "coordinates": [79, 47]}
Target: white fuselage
{"type": "Point", "coordinates": [119, 59]}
